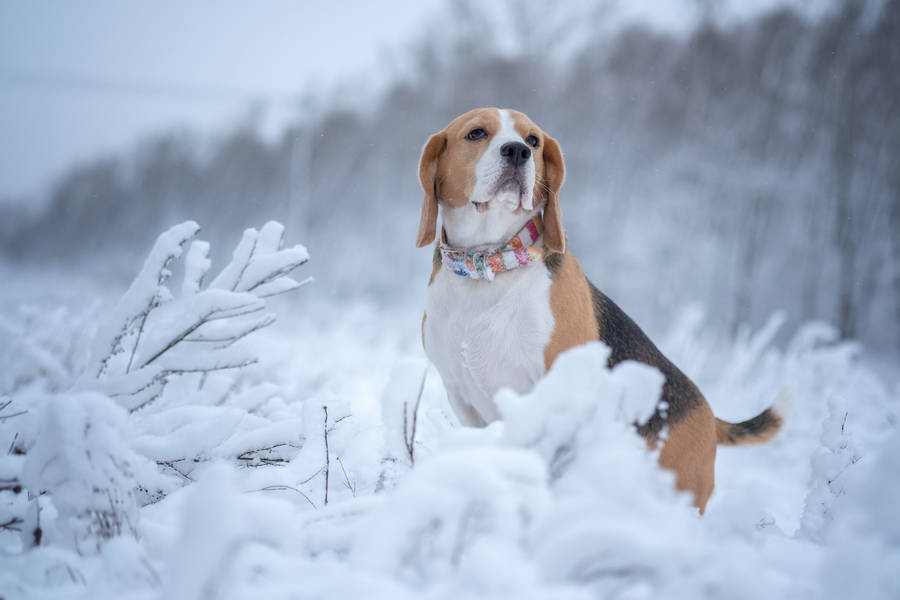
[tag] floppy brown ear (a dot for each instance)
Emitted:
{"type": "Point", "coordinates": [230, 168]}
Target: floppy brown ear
{"type": "Point", "coordinates": [428, 177]}
{"type": "Point", "coordinates": [554, 173]}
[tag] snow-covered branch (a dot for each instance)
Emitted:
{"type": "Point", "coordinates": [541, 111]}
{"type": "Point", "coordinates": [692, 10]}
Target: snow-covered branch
{"type": "Point", "coordinates": [152, 335]}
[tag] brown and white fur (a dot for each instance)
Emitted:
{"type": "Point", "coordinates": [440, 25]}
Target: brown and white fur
{"type": "Point", "coordinates": [484, 335]}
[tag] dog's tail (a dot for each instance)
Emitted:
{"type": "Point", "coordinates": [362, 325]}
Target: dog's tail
{"type": "Point", "coordinates": [761, 428]}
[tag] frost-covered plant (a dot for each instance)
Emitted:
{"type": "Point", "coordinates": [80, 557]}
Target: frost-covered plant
{"type": "Point", "coordinates": [863, 551]}
{"type": "Point", "coordinates": [829, 464]}
{"type": "Point", "coordinates": [400, 403]}
{"type": "Point", "coordinates": [42, 350]}
{"type": "Point", "coordinates": [83, 461]}
{"type": "Point", "coordinates": [151, 335]}
{"type": "Point", "coordinates": [150, 401]}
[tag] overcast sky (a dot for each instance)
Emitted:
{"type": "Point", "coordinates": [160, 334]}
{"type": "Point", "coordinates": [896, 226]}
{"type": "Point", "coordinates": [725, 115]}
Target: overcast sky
{"type": "Point", "coordinates": [79, 79]}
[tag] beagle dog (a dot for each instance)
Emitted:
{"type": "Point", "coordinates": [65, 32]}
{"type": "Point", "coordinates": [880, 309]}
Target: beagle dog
{"type": "Point", "coordinates": [505, 298]}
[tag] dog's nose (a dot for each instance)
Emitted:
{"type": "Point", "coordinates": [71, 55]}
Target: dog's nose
{"type": "Point", "coordinates": [515, 153]}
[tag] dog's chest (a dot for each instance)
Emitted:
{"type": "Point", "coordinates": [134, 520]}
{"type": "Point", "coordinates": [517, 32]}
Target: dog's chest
{"type": "Point", "coordinates": [485, 335]}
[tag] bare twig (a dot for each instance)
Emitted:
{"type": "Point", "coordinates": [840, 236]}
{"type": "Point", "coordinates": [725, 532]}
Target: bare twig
{"type": "Point", "coordinates": [335, 422]}
{"type": "Point", "coordinates": [171, 465]}
{"type": "Point", "coordinates": [313, 476]}
{"type": "Point", "coordinates": [350, 485]}
{"type": "Point", "coordinates": [282, 488]}
{"type": "Point", "coordinates": [327, 459]}
{"type": "Point", "coordinates": [10, 416]}
{"type": "Point", "coordinates": [18, 414]}
{"type": "Point", "coordinates": [10, 485]}
{"type": "Point", "coordinates": [247, 456]}
{"type": "Point", "coordinates": [11, 525]}
{"type": "Point", "coordinates": [137, 339]}
{"type": "Point", "coordinates": [409, 438]}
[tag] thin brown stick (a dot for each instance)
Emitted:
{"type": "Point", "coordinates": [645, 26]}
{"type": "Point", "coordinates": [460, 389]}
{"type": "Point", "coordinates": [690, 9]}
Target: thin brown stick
{"type": "Point", "coordinates": [18, 414]}
{"type": "Point", "coordinates": [137, 339]}
{"type": "Point", "coordinates": [280, 488]}
{"type": "Point", "coordinates": [12, 524]}
{"type": "Point", "coordinates": [409, 439]}
{"type": "Point", "coordinates": [171, 465]}
{"type": "Point", "coordinates": [327, 459]}
{"type": "Point", "coordinates": [350, 485]}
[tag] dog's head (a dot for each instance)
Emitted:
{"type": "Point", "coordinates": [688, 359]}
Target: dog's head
{"type": "Point", "coordinates": [490, 169]}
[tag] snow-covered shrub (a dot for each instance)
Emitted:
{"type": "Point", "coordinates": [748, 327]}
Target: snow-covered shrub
{"type": "Point", "coordinates": [830, 462]}
{"type": "Point", "coordinates": [96, 430]}
{"type": "Point", "coordinates": [82, 461]}
{"type": "Point", "coordinates": [863, 554]}
{"type": "Point", "coordinates": [400, 404]}
{"type": "Point", "coordinates": [43, 350]}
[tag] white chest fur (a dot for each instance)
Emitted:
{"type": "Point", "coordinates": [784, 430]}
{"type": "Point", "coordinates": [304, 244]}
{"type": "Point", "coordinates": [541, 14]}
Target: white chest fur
{"type": "Point", "coordinates": [485, 335]}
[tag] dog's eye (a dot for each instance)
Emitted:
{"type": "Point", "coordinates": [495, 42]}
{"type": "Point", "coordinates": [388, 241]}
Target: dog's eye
{"type": "Point", "coordinates": [532, 141]}
{"type": "Point", "coordinates": [476, 134]}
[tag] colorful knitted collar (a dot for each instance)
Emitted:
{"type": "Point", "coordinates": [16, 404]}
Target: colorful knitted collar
{"type": "Point", "coordinates": [484, 263]}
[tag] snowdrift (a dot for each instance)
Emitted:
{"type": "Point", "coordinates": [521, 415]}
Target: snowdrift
{"type": "Point", "coordinates": [156, 460]}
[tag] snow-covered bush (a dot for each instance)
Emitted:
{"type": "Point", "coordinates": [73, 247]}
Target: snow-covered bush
{"type": "Point", "coordinates": [829, 464]}
{"type": "Point", "coordinates": [81, 460]}
{"type": "Point", "coordinates": [43, 350]}
{"type": "Point", "coordinates": [863, 543]}
{"type": "Point", "coordinates": [95, 430]}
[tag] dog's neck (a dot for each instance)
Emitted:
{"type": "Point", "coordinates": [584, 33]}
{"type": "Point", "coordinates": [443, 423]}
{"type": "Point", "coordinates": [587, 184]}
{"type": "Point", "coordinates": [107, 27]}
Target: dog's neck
{"type": "Point", "coordinates": [520, 250]}
{"type": "Point", "coordinates": [467, 227]}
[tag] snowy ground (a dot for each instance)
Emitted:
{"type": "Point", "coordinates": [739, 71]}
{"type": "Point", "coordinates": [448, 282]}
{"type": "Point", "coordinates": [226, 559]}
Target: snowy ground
{"type": "Point", "coordinates": [217, 487]}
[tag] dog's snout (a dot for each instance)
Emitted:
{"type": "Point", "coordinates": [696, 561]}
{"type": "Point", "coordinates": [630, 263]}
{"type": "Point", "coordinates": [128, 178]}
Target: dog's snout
{"type": "Point", "coordinates": [515, 153]}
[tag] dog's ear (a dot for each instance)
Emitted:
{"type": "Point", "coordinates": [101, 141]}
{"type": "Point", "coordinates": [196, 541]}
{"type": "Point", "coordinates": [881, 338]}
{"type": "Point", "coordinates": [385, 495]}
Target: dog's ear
{"type": "Point", "coordinates": [554, 173]}
{"type": "Point", "coordinates": [428, 177]}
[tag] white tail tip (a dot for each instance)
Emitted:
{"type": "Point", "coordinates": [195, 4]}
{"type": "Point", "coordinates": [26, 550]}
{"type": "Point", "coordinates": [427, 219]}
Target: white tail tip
{"type": "Point", "coordinates": [784, 403]}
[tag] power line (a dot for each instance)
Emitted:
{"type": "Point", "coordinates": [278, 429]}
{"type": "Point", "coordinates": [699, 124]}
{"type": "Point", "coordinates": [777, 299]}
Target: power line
{"type": "Point", "coordinates": [172, 90]}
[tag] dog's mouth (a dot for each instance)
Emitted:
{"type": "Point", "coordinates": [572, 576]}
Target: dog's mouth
{"type": "Point", "coordinates": [510, 189]}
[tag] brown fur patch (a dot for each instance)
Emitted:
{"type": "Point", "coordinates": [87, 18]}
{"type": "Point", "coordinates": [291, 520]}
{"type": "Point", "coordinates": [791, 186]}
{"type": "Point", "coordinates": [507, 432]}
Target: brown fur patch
{"type": "Point", "coordinates": [554, 262]}
{"type": "Point", "coordinates": [573, 314]}
{"type": "Point", "coordinates": [435, 263]}
{"type": "Point", "coordinates": [690, 451]}
{"type": "Point", "coordinates": [456, 165]}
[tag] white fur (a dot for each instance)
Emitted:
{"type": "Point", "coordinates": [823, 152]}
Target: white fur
{"type": "Point", "coordinates": [485, 335]}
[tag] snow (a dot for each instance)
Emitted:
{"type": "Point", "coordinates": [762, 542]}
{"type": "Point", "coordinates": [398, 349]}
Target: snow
{"type": "Point", "coordinates": [223, 484]}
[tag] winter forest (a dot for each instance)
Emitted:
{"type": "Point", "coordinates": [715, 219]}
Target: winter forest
{"type": "Point", "coordinates": [213, 385]}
